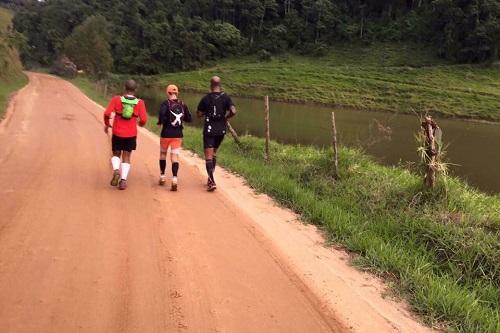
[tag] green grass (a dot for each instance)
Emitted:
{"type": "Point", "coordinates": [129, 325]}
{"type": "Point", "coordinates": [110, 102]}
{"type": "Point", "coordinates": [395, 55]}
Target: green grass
{"type": "Point", "coordinates": [7, 88]}
{"type": "Point", "coordinates": [5, 18]}
{"type": "Point", "coordinates": [389, 77]}
{"type": "Point", "coordinates": [11, 76]}
{"type": "Point", "coordinates": [440, 250]}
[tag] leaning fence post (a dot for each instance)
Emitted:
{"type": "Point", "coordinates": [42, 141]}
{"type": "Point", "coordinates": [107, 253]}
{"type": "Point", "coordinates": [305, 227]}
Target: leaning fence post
{"type": "Point", "coordinates": [233, 133]}
{"type": "Point", "coordinates": [268, 128]}
{"type": "Point", "coordinates": [335, 151]}
{"type": "Point", "coordinates": [430, 127]}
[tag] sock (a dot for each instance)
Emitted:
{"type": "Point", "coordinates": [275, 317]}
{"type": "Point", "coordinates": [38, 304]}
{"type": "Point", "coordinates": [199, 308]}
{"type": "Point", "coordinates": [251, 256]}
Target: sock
{"type": "Point", "coordinates": [125, 170]}
{"type": "Point", "coordinates": [163, 166]}
{"type": "Point", "coordinates": [210, 169]}
{"type": "Point", "coordinates": [215, 162]}
{"type": "Point", "coordinates": [115, 162]}
{"type": "Point", "coordinates": [175, 168]}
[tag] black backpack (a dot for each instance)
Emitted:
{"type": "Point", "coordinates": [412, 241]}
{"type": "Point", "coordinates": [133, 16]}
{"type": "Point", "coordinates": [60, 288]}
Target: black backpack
{"type": "Point", "coordinates": [216, 107]}
{"type": "Point", "coordinates": [175, 113]}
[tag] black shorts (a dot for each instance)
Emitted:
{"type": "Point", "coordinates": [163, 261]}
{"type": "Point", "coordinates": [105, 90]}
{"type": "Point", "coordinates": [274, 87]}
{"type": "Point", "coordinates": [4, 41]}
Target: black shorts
{"type": "Point", "coordinates": [125, 144]}
{"type": "Point", "coordinates": [212, 141]}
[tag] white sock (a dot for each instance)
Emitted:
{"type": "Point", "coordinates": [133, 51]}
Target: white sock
{"type": "Point", "coordinates": [115, 162]}
{"type": "Point", "coordinates": [125, 170]}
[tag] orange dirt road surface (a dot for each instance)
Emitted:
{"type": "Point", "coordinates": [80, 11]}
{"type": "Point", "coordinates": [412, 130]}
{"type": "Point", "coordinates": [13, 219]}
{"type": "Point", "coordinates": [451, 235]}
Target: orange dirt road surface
{"type": "Point", "coordinates": [77, 255]}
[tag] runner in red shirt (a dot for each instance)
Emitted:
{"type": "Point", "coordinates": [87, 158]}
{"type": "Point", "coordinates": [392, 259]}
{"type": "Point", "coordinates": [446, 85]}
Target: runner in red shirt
{"type": "Point", "coordinates": [129, 112]}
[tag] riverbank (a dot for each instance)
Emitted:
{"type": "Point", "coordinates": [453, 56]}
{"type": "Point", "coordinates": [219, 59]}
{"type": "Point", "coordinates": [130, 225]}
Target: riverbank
{"type": "Point", "coordinates": [387, 77]}
{"type": "Point", "coordinates": [440, 250]}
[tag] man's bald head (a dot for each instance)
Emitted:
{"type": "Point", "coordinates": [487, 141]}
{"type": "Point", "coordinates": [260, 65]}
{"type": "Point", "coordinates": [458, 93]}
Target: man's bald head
{"type": "Point", "coordinates": [215, 83]}
{"type": "Point", "coordinates": [130, 86]}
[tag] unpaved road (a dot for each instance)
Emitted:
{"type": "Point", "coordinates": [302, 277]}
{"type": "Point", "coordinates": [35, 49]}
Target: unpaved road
{"type": "Point", "coordinates": [79, 255]}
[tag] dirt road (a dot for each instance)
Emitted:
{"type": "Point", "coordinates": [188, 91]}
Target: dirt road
{"type": "Point", "coordinates": [79, 255]}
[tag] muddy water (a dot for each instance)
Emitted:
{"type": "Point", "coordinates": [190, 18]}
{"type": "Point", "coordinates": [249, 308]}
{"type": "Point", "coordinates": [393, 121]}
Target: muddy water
{"type": "Point", "coordinates": [390, 138]}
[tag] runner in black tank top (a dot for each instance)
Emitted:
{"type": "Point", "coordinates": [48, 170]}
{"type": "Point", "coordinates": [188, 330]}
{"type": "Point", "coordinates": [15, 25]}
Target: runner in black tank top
{"type": "Point", "coordinates": [215, 108]}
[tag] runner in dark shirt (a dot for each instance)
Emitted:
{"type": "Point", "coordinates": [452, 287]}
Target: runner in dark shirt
{"type": "Point", "coordinates": [216, 108]}
{"type": "Point", "coordinates": [173, 113]}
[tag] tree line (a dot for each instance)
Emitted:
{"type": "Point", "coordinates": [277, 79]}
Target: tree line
{"type": "Point", "coordinates": [153, 36]}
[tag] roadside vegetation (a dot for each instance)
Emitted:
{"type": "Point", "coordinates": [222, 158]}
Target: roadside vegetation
{"type": "Point", "coordinates": [11, 76]}
{"type": "Point", "coordinates": [439, 249]}
{"type": "Point", "coordinates": [391, 77]}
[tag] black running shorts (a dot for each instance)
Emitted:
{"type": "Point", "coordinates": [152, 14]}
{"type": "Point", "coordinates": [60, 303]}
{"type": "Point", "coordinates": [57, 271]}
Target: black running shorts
{"type": "Point", "coordinates": [125, 144]}
{"type": "Point", "coordinates": [212, 141]}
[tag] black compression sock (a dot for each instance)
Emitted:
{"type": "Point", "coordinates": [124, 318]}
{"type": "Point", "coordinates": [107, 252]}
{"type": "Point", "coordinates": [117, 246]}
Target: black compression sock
{"type": "Point", "coordinates": [215, 161]}
{"type": "Point", "coordinates": [210, 169]}
{"type": "Point", "coordinates": [175, 168]}
{"type": "Point", "coordinates": [163, 166]}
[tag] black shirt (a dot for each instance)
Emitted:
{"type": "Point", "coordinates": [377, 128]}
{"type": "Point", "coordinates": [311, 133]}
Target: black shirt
{"type": "Point", "coordinates": [169, 130]}
{"type": "Point", "coordinates": [214, 127]}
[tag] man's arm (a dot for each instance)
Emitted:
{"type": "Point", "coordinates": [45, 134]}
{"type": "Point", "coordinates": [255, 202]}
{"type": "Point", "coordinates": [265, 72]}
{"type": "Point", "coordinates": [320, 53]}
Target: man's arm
{"type": "Point", "coordinates": [143, 116]}
{"type": "Point", "coordinates": [231, 113]}
{"type": "Point", "coordinates": [201, 108]}
{"type": "Point", "coordinates": [161, 114]}
{"type": "Point", "coordinates": [230, 108]}
{"type": "Point", "coordinates": [187, 115]}
{"type": "Point", "coordinates": [107, 115]}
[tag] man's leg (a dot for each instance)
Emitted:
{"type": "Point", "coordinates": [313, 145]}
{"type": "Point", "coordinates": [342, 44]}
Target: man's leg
{"type": "Point", "coordinates": [216, 144]}
{"type": "Point", "coordinates": [163, 166]}
{"type": "Point", "coordinates": [116, 163]}
{"type": "Point", "coordinates": [214, 158]}
{"type": "Point", "coordinates": [174, 156]}
{"type": "Point", "coordinates": [209, 163]}
{"type": "Point", "coordinates": [125, 169]}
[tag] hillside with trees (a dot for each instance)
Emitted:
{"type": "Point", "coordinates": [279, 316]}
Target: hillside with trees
{"type": "Point", "coordinates": [155, 36]}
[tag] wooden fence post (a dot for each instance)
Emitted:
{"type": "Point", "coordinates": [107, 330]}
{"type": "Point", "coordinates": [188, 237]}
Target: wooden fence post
{"type": "Point", "coordinates": [233, 133]}
{"type": "Point", "coordinates": [335, 150]}
{"type": "Point", "coordinates": [430, 127]}
{"type": "Point", "coordinates": [268, 127]}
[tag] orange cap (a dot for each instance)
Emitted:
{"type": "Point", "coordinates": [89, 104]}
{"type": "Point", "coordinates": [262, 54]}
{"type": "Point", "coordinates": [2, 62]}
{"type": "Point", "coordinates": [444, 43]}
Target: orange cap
{"type": "Point", "coordinates": [172, 89]}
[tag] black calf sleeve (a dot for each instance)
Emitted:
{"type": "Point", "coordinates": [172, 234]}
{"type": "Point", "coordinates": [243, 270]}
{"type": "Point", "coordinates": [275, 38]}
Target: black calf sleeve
{"type": "Point", "coordinates": [175, 168]}
{"type": "Point", "coordinates": [210, 169]}
{"type": "Point", "coordinates": [163, 166]}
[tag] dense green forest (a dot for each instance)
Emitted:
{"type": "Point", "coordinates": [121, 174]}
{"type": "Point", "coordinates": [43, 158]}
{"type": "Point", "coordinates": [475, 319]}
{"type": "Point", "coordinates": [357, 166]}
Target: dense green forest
{"type": "Point", "coordinates": [153, 36]}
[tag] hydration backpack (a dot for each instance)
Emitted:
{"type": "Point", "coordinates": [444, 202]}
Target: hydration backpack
{"type": "Point", "coordinates": [216, 109]}
{"type": "Point", "coordinates": [175, 113]}
{"type": "Point", "coordinates": [128, 107]}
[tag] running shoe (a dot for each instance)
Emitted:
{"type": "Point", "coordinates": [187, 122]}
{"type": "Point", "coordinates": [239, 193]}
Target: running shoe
{"type": "Point", "coordinates": [163, 180]}
{"type": "Point", "coordinates": [211, 186]}
{"type": "Point", "coordinates": [116, 178]}
{"type": "Point", "coordinates": [174, 185]}
{"type": "Point", "coordinates": [122, 185]}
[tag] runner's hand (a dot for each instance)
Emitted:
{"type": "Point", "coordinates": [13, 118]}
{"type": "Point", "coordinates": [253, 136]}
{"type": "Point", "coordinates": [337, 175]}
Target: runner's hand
{"type": "Point", "coordinates": [106, 129]}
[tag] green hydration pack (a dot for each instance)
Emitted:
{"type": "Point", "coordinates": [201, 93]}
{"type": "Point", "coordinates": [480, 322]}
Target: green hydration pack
{"type": "Point", "coordinates": [128, 107]}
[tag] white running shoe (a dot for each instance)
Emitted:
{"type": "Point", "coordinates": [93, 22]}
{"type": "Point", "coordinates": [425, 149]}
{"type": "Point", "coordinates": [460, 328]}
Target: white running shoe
{"type": "Point", "coordinates": [163, 180]}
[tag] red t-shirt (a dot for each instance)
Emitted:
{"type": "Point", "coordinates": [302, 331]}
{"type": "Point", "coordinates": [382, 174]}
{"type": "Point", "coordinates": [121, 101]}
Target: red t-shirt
{"type": "Point", "coordinates": [125, 128]}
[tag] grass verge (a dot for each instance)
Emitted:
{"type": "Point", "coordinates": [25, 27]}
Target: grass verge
{"type": "Point", "coordinates": [11, 76]}
{"type": "Point", "coordinates": [440, 249]}
{"type": "Point", "coordinates": [386, 77]}
{"type": "Point", "coordinates": [9, 87]}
